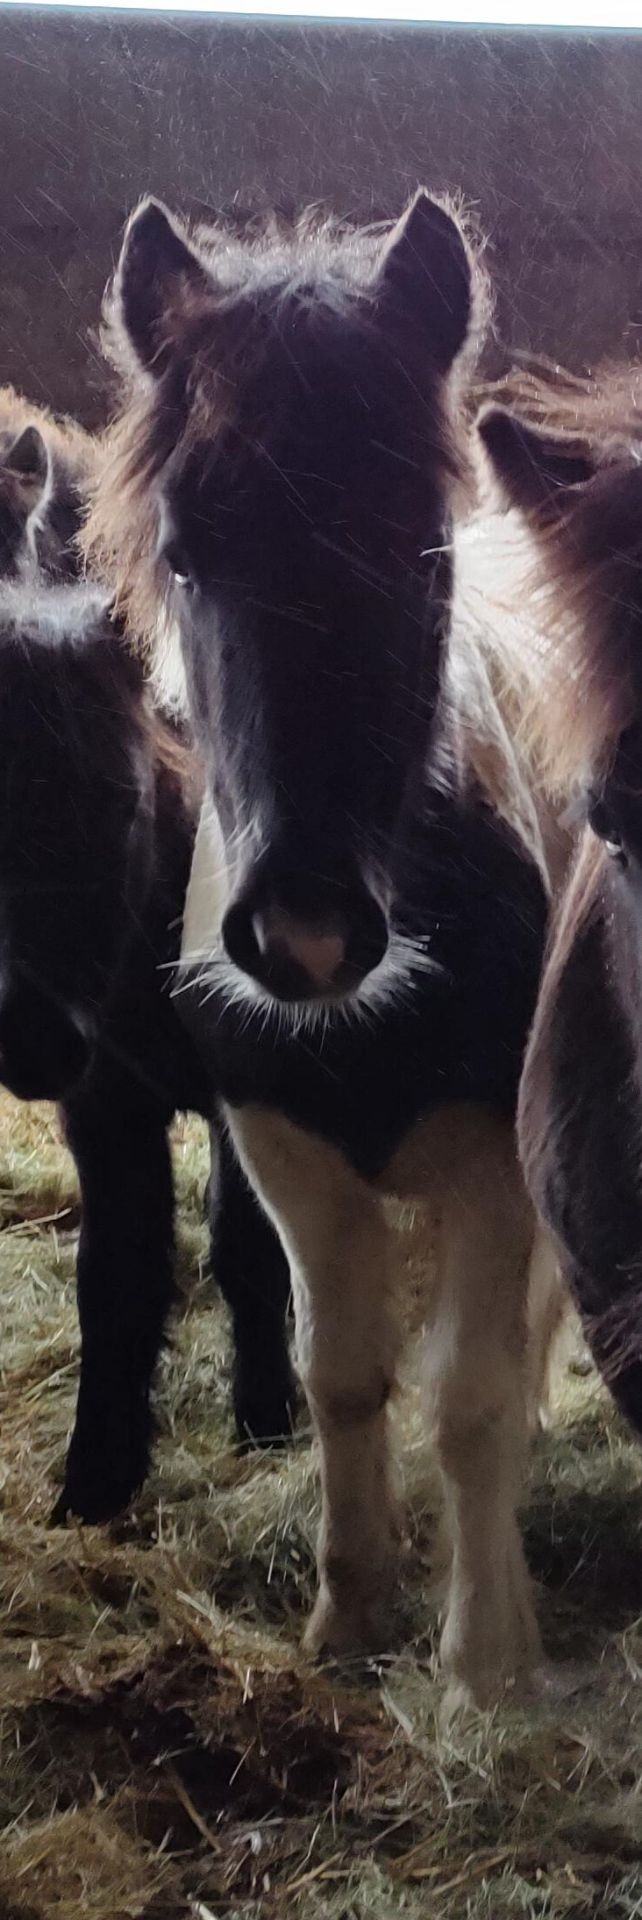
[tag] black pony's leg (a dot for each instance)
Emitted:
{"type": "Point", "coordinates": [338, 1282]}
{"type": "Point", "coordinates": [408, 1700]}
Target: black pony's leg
{"type": "Point", "coordinates": [125, 1277]}
{"type": "Point", "coordinates": [252, 1273]}
{"type": "Point", "coordinates": [580, 1122]}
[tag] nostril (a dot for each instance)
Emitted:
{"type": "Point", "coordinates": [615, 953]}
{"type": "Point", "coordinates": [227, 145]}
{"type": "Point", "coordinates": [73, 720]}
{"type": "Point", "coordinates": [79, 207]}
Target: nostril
{"type": "Point", "coordinates": [369, 943]}
{"type": "Point", "coordinates": [239, 939]}
{"type": "Point", "coordinates": [260, 932]}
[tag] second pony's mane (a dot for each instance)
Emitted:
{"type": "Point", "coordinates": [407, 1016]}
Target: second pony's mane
{"type": "Point", "coordinates": [599, 413]}
{"type": "Point", "coordinates": [586, 538]}
{"type": "Point", "coordinates": [495, 675]}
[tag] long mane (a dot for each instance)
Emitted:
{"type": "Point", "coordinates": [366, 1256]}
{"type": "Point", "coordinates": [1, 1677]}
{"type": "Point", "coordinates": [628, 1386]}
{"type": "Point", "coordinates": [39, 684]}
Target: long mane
{"type": "Point", "coordinates": [586, 568]}
{"type": "Point", "coordinates": [495, 672]}
{"type": "Point", "coordinates": [600, 412]}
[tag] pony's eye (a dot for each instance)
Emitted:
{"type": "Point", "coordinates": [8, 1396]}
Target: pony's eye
{"type": "Point", "coordinates": [603, 824]}
{"type": "Point", "coordinates": [178, 565]}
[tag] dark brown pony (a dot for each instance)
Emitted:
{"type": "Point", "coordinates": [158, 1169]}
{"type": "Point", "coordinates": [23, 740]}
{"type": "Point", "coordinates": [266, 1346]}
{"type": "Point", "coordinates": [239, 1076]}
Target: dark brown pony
{"type": "Point", "coordinates": [571, 465]}
{"type": "Point", "coordinates": [366, 919]}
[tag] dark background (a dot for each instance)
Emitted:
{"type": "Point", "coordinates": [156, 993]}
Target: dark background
{"type": "Point", "coordinates": [543, 132]}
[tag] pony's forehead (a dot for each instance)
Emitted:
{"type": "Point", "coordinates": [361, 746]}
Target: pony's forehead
{"type": "Point", "coordinates": [280, 318]}
{"type": "Point", "coordinates": [299, 364]}
{"type": "Point", "coordinates": [316, 254]}
{"type": "Point", "coordinates": [253, 348]}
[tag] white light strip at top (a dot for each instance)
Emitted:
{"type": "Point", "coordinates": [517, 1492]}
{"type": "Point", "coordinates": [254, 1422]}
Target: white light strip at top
{"type": "Point", "coordinates": [578, 14]}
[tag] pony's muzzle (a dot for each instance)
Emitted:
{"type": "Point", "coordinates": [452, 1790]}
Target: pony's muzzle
{"type": "Point", "coordinates": [296, 957]}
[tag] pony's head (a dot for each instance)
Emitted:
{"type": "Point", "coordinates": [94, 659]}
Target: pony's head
{"type": "Point", "coordinates": [45, 468]}
{"type": "Point", "coordinates": [24, 484]}
{"type": "Point", "coordinates": [280, 490]}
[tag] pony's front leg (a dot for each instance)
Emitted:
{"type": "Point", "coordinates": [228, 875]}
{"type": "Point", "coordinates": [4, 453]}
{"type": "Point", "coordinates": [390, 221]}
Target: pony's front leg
{"type": "Point", "coordinates": [124, 1280]}
{"type": "Point", "coordinates": [476, 1376]}
{"type": "Point", "coordinates": [252, 1272]}
{"type": "Point", "coordinates": [334, 1233]}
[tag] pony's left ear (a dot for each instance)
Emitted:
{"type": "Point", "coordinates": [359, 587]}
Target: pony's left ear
{"type": "Point", "coordinates": [425, 275]}
{"type": "Point", "coordinates": [158, 282]}
{"type": "Point", "coordinates": [537, 471]}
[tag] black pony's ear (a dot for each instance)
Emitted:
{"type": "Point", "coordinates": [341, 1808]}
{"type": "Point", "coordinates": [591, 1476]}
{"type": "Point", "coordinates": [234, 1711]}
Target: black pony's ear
{"type": "Point", "coordinates": [24, 470]}
{"type": "Point", "coordinates": [425, 276]}
{"type": "Point", "coordinates": [537, 471]}
{"type": "Point", "coordinates": [158, 281]}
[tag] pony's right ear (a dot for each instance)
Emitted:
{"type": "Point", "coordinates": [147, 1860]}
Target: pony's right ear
{"type": "Point", "coordinates": [157, 285]}
{"type": "Point", "coordinates": [536, 471]}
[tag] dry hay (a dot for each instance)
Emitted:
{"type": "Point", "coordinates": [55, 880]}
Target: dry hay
{"type": "Point", "coordinates": [167, 1751]}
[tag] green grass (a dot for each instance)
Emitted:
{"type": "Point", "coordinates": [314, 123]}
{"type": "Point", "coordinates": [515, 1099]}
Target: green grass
{"type": "Point", "coordinates": [167, 1750]}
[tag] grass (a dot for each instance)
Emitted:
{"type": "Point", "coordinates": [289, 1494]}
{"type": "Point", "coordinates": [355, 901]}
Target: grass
{"type": "Point", "coordinates": [168, 1752]}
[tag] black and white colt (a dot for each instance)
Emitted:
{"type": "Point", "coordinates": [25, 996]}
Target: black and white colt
{"type": "Point", "coordinates": [366, 923]}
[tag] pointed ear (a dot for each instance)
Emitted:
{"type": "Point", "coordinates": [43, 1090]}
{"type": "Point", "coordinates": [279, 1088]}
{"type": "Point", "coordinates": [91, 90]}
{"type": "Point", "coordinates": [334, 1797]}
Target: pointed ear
{"type": "Point", "coordinates": [537, 471]}
{"type": "Point", "coordinates": [158, 281]}
{"type": "Point", "coordinates": [24, 471]}
{"type": "Point", "coordinates": [425, 276]}
{"type": "Point", "coordinates": [28, 456]}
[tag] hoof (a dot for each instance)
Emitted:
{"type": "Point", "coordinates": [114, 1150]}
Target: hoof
{"type": "Point", "coordinates": [100, 1483]}
{"type": "Point", "coordinates": [340, 1630]}
{"type": "Point", "coordinates": [480, 1693]}
{"type": "Point", "coordinates": [486, 1658]}
{"type": "Point", "coordinates": [94, 1505]}
{"type": "Point", "coordinates": [480, 1675]}
{"type": "Point", "coordinates": [61, 1511]}
{"type": "Point", "coordinates": [543, 1684]}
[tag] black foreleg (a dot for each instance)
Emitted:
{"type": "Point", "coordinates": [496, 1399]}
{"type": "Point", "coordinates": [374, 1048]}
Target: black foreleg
{"type": "Point", "coordinates": [125, 1275]}
{"type": "Point", "coordinates": [252, 1272]}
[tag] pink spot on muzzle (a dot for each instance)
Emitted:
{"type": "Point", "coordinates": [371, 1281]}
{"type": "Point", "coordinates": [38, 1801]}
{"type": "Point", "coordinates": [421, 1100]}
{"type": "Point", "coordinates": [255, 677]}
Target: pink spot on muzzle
{"type": "Point", "coordinates": [320, 952]}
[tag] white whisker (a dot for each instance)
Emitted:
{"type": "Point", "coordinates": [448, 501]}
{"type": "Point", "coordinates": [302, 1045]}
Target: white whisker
{"type": "Point", "coordinates": [395, 981]}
